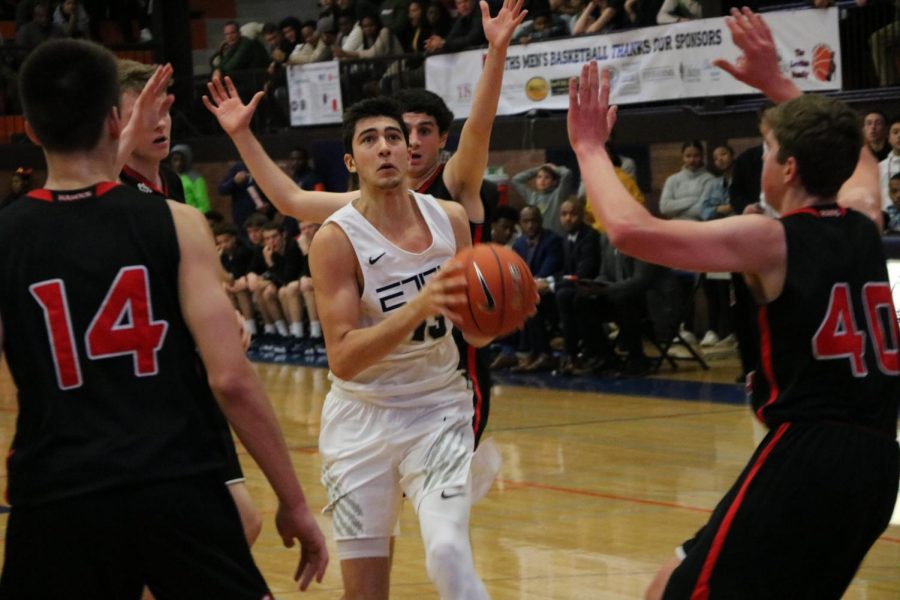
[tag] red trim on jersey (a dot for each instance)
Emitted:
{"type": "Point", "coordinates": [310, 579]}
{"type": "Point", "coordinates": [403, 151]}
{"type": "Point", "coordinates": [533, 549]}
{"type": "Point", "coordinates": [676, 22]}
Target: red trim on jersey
{"type": "Point", "coordinates": [478, 232]}
{"type": "Point", "coordinates": [816, 210]}
{"type": "Point", "coordinates": [141, 179]}
{"type": "Point", "coordinates": [765, 348]}
{"type": "Point", "coordinates": [41, 194]}
{"type": "Point", "coordinates": [471, 366]}
{"type": "Point", "coordinates": [106, 186]}
{"type": "Point", "coordinates": [46, 195]}
{"type": "Point", "coordinates": [422, 189]}
{"type": "Point", "coordinates": [701, 589]}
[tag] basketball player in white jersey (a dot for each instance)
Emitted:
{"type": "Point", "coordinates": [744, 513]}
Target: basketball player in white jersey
{"type": "Point", "coordinates": [398, 418]}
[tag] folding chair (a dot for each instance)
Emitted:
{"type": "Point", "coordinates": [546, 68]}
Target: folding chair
{"type": "Point", "coordinates": [664, 343]}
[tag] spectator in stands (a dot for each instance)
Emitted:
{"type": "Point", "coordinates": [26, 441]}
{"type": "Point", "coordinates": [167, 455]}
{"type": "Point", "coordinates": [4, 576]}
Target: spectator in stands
{"type": "Point", "coordinates": [246, 197]}
{"type": "Point", "coordinates": [276, 295]}
{"type": "Point", "coordinates": [568, 10]}
{"type": "Point", "coordinates": [306, 178]}
{"type": "Point", "coordinates": [682, 192]}
{"type": "Point", "coordinates": [439, 19]}
{"type": "Point", "coordinates": [290, 30]}
{"type": "Point", "coordinates": [355, 10]}
{"type": "Point", "coordinates": [890, 165]}
{"type": "Point", "coordinates": [279, 49]}
{"type": "Point", "coordinates": [627, 181]}
{"type": "Point", "coordinates": [600, 16]}
{"type": "Point", "coordinates": [302, 172]}
{"type": "Point", "coordinates": [630, 291]}
{"type": "Point", "coordinates": [504, 226]}
{"type": "Point", "coordinates": [892, 212]}
{"type": "Point", "coordinates": [376, 41]}
{"type": "Point", "coordinates": [466, 32]}
{"type": "Point", "coordinates": [236, 257]}
{"type": "Point", "coordinates": [577, 313]}
{"type": "Point", "coordinates": [542, 251]}
{"type": "Point", "coordinates": [237, 53]}
{"type": "Point", "coordinates": [314, 47]}
{"type": "Point", "coordinates": [682, 198]}
{"type": "Point", "coordinates": [19, 185]}
{"type": "Point", "coordinates": [316, 343]}
{"type": "Point", "coordinates": [676, 11]}
{"type": "Point", "coordinates": [195, 192]}
{"type": "Point", "coordinates": [883, 43]}
{"type": "Point", "coordinates": [72, 19]}
{"type": "Point", "coordinates": [544, 26]}
{"type": "Point", "coordinates": [716, 202]}
{"type": "Point", "coordinates": [412, 37]}
{"type": "Point", "coordinates": [552, 185]}
{"type": "Point", "coordinates": [875, 134]}
{"type": "Point", "coordinates": [40, 29]}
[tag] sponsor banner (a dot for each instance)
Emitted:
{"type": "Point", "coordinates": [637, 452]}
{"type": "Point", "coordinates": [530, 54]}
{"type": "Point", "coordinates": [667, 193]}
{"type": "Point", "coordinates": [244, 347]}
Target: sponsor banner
{"type": "Point", "coordinates": [314, 91]}
{"type": "Point", "coordinates": [653, 63]}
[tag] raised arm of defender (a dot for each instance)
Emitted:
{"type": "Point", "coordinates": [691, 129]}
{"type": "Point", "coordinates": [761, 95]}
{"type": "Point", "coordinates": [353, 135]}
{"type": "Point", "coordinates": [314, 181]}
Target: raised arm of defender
{"type": "Point", "coordinates": [234, 116]}
{"type": "Point", "coordinates": [465, 169]}
{"type": "Point", "coordinates": [758, 67]}
{"type": "Point", "coordinates": [750, 243]}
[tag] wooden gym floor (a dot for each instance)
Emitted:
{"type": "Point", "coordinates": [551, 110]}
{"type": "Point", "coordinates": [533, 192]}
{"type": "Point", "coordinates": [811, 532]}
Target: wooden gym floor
{"type": "Point", "coordinates": [596, 490]}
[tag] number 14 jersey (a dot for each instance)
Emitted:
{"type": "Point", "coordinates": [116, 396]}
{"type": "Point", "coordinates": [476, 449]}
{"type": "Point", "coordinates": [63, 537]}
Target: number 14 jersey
{"type": "Point", "coordinates": [111, 390]}
{"type": "Point", "coordinates": [424, 368]}
{"type": "Point", "coordinates": [829, 342]}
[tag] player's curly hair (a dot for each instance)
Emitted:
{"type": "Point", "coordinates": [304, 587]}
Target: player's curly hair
{"type": "Point", "coordinates": [417, 100]}
{"type": "Point", "coordinates": [372, 107]}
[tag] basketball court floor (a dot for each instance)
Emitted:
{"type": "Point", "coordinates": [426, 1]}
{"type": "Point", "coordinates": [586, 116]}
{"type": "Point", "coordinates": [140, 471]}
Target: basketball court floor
{"type": "Point", "coordinates": [600, 482]}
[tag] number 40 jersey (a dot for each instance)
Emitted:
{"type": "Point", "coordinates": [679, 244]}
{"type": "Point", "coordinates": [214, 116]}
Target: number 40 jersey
{"type": "Point", "coordinates": [829, 342]}
{"type": "Point", "coordinates": [111, 390]}
{"type": "Point", "coordinates": [422, 370]}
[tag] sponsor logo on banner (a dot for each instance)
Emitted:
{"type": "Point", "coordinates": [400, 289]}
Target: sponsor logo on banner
{"type": "Point", "coordinates": [536, 89]}
{"type": "Point", "coordinates": [823, 62]}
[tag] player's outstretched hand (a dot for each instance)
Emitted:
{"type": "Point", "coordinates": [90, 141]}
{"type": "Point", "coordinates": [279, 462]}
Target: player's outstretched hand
{"type": "Point", "coordinates": [299, 524]}
{"type": "Point", "coordinates": [758, 65]}
{"type": "Point", "coordinates": [499, 30]}
{"type": "Point", "coordinates": [233, 115]}
{"type": "Point", "coordinates": [151, 105]}
{"type": "Point", "coordinates": [591, 118]}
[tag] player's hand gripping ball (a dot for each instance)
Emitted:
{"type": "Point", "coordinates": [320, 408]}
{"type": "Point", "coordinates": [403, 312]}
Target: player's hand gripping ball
{"type": "Point", "coordinates": [502, 292]}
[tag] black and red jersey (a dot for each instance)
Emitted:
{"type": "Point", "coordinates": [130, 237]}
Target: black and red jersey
{"type": "Point", "coordinates": [111, 390]}
{"type": "Point", "coordinates": [435, 186]}
{"type": "Point", "coordinates": [172, 188]}
{"type": "Point", "coordinates": [830, 347]}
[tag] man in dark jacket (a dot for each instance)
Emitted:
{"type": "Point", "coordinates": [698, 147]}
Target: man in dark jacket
{"type": "Point", "coordinates": [542, 250]}
{"type": "Point", "coordinates": [577, 311]}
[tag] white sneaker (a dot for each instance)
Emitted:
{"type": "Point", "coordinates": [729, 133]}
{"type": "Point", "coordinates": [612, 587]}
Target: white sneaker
{"type": "Point", "coordinates": [687, 336]}
{"type": "Point", "coordinates": [710, 339]}
{"type": "Point", "coordinates": [729, 341]}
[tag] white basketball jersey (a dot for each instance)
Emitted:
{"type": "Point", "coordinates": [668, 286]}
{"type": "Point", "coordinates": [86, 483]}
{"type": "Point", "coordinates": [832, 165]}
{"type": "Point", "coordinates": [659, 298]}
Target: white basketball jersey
{"type": "Point", "coordinates": [423, 369]}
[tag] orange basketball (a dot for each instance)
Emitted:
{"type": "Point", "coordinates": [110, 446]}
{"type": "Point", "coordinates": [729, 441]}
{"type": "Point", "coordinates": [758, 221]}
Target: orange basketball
{"type": "Point", "coordinates": [500, 287]}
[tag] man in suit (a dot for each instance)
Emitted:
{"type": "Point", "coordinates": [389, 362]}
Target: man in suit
{"type": "Point", "coordinates": [542, 250]}
{"type": "Point", "coordinates": [577, 313]}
